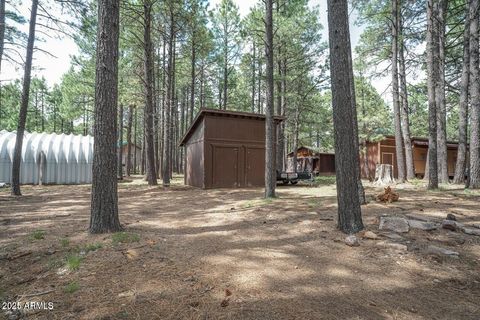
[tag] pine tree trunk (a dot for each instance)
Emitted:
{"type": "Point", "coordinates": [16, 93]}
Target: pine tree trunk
{"type": "Point", "coordinates": [135, 142]}
{"type": "Point", "coordinates": [253, 75]}
{"type": "Point", "coordinates": [280, 132]}
{"type": "Point", "coordinates": [474, 172]}
{"type": "Point", "coordinates": [168, 105]}
{"type": "Point", "coordinates": [173, 109]}
{"type": "Point", "coordinates": [193, 77]}
{"type": "Point", "coordinates": [426, 175]}
{"type": "Point", "coordinates": [365, 140]}
{"type": "Point", "coordinates": [404, 110]}
{"type": "Point", "coordinates": [156, 120]}
{"type": "Point", "coordinates": [143, 161]}
{"type": "Point", "coordinates": [270, 176]}
{"type": "Point", "coordinates": [22, 117]}
{"type": "Point", "coordinates": [460, 165]}
{"type": "Point", "coordinates": [396, 98]}
{"type": "Point", "coordinates": [129, 140]}
{"type": "Point", "coordinates": [149, 106]}
{"type": "Point", "coordinates": [259, 88]}
{"type": "Point", "coordinates": [343, 102]}
{"type": "Point", "coordinates": [361, 191]}
{"type": "Point", "coordinates": [43, 114]}
{"type": "Point", "coordinates": [120, 142]}
{"type": "Point", "coordinates": [440, 96]}
{"type": "Point", "coordinates": [104, 206]}
{"type": "Point", "coordinates": [164, 106]}
{"type": "Point", "coordinates": [295, 138]}
{"type": "Point", "coordinates": [202, 89]}
{"type": "Point", "coordinates": [432, 56]}
{"type": "Point", "coordinates": [283, 124]}
{"type": "Point", "coordinates": [225, 74]}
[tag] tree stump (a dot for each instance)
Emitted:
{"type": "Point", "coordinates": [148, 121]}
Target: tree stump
{"type": "Point", "coordinates": [384, 174]}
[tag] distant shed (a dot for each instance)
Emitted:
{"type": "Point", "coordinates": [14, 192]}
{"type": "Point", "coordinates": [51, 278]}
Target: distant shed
{"type": "Point", "coordinates": [225, 149]}
{"type": "Point", "coordinates": [309, 160]}
{"type": "Point", "coordinates": [384, 152]}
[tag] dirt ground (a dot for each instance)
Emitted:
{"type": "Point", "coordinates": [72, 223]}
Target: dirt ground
{"type": "Point", "coordinates": [229, 254]}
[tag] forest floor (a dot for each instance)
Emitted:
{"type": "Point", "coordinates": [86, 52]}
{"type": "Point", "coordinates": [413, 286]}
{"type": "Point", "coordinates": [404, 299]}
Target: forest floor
{"type": "Point", "coordinates": [229, 254]}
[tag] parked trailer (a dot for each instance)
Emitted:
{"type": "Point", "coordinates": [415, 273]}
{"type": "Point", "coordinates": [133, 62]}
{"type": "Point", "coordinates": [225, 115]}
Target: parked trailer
{"type": "Point", "coordinates": [293, 177]}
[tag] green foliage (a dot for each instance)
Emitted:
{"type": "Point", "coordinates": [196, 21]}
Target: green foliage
{"type": "Point", "coordinates": [73, 262]}
{"type": "Point", "coordinates": [373, 115]}
{"type": "Point", "coordinates": [37, 235]}
{"type": "Point", "coordinates": [324, 180]}
{"type": "Point", "coordinates": [91, 247]}
{"type": "Point", "coordinates": [418, 110]}
{"type": "Point", "coordinates": [72, 287]}
{"type": "Point", "coordinates": [222, 40]}
{"type": "Point", "coordinates": [226, 30]}
{"type": "Point", "coordinates": [124, 237]}
{"type": "Point", "coordinates": [54, 263]}
{"type": "Point", "coordinates": [65, 242]}
{"type": "Point", "coordinates": [10, 104]}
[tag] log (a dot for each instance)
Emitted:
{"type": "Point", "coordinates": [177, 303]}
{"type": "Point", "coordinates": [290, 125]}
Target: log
{"type": "Point", "coordinates": [384, 174]}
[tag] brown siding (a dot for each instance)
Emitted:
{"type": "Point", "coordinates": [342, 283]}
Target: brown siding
{"type": "Point", "coordinates": [234, 152]}
{"type": "Point", "coordinates": [225, 150]}
{"type": "Point", "coordinates": [372, 158]}
{"type": "Point", "coordinates": [387, 151]}
{"type": "Point", "coordinates": [420, 156]}
{"type": "Point", "coordinates": [326, 164]}
{"type": "Point", "coordinates": [419, 160]}
{"type": "Point", "coordinates": [195, 159]}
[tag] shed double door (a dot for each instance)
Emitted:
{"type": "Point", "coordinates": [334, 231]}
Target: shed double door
{"type": "Point", "coordinates": [237, 166]}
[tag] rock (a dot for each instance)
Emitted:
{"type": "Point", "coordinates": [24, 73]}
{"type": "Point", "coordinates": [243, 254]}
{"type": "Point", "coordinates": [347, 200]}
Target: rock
{"type": "Point", "coordinates": [394, 224]}
{"type": "Point", "coordinates": [476, 225]}
{"type": "Point", "coordinates": [370, 235]}
{"type": "Point", "coordinates": [422, 225]}
{"type": "Point", "coordinates": [451, 217]}
{"type": "Point", "coordinates": [394, 246]}
{"type": "Point", "coordinates": [450, 225]}
{"type": "Point", "coordinates": [126, 294]}
{"type": "Point", "coordinates": [441, 251]}
{"type": "Point", "coordinates": [471, 231]}
{"type": "Point", "coordinates": [453, 239]}
{"type": "Point", "coordinates": [352, 241]}
{"type": "Point", "coordinates": [62, 271]}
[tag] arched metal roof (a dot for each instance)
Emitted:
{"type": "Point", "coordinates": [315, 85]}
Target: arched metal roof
{"type": "Point", "coordinates": [68, 158]}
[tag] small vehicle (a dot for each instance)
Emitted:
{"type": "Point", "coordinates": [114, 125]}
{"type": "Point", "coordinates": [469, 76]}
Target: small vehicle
{"type": "Point", "coordinates": [293, 177]}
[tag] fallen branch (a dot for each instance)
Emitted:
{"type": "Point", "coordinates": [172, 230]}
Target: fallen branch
{"type": "Point", "coordinates": [36, 294]}
{"type": "Point", "coordinates": [23, 254]}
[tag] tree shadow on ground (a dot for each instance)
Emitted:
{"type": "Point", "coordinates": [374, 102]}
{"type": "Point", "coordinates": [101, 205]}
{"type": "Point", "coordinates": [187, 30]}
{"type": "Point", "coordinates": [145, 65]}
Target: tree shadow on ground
{"type": "Point", "coordinates": [281, 259]}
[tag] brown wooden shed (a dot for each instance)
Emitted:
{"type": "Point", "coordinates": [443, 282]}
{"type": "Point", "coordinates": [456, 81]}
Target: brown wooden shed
{"type": "Point", "coordinates": [309, 160]}
{"type": "Point", "coordinates": [383, 152]}
{"type": "Point", "coordinates": [225, 149]}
